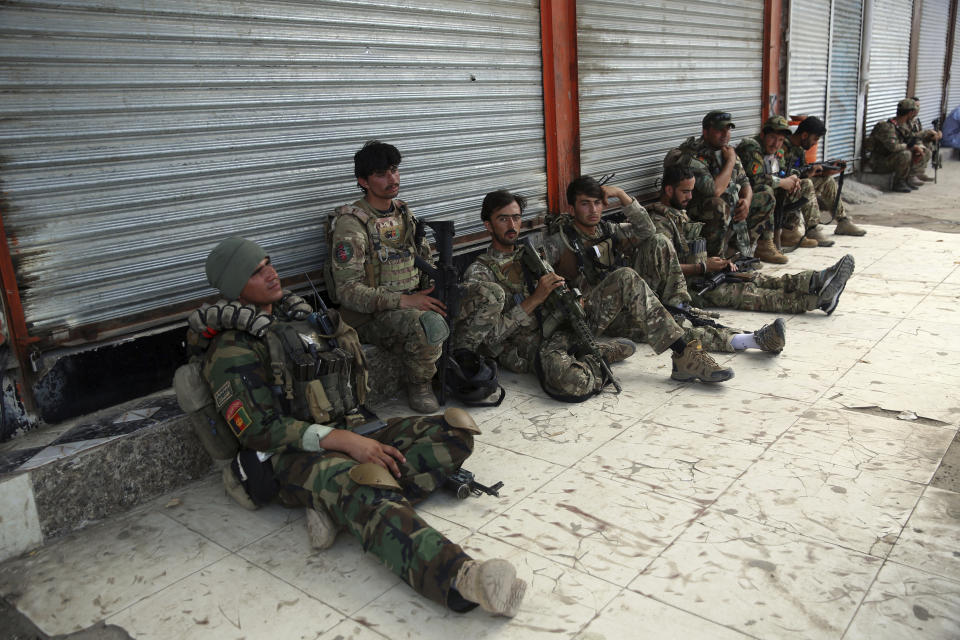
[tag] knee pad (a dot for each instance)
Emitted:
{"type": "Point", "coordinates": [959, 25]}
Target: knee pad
{"type": "Point", "coordinates": [434, 327]}
{"type": "Point", "coordinates": [369, 474]}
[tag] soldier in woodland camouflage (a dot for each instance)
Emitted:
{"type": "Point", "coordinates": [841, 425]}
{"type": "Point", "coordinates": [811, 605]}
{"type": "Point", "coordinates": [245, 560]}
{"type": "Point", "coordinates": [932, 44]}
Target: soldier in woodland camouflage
{"type": "Point", "coordinates": [929, 138]}
{"type": "Point", "coordinates": [792, 293]}
{"type": "Point", "coordinates": [736, 217]}
{"type": "Point", "coordinates": [763, 160]}
{"type": "Point", "coordinates": [809, 132]}
{"type": "Point", "coordinates": [364, 484]}
{"type": "Point", "coordinates": [893, 148]}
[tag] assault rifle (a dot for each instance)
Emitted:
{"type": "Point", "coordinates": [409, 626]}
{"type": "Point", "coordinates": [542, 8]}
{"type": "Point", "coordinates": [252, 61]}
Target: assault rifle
{"type": "Point", "coordinates": [830, 165]}
{"type": "Point", "coordinates": [780, 212]}
{"type": "Point", "coordinates": [446, 283]}
{"type": "Point", "coordinates": [463, 483]}
{"type": "Point", "coordinates": [937, 126]}
{"type": "Point", "coordinates": [743, 265]}
{"type": "Point", "coordinates": [566, 302]}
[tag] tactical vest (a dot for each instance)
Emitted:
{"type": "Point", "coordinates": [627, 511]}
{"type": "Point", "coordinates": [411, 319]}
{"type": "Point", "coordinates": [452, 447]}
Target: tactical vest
{"type": "Point", "coordinates": [511, 276]}
{"type": "Point", "coordinates": [595, 260]}
{"type": "Point", "coordinates": [684, 236]}
{"type": "Point", "coordinates": [390, 262]}
{"type": "Point", "coordinates": [311, 379]}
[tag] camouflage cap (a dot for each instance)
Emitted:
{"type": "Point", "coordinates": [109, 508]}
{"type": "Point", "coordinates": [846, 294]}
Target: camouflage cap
{"type": "Point", "coordinates": [231, 263]}
{"type": "Point", "coordinates": [718, 120]}
{"type": "Point", "coordinates": [776, 124]}
{"type": "Point", "coordinates": [907, 104]}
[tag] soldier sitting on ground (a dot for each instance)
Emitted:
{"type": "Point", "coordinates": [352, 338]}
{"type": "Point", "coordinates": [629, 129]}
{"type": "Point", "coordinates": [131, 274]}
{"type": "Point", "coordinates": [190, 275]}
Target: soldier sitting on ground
{"type": "Point", "coordinates": [809, 132]}
{"type": "Point", "coordinates": [792, 293]}
{"type": "Point", "coordinates": [763, 160]}
{"type": "Point", "coordinates": [929, 138]}
{"type": "Point", "coordinates": [263, 371]}
{"type": "Point", "coordinates": [892, 147]}
{"type": "Point", "coordinates": [373, 276]}
{"type": "Point", "coordinates": [736, 216]}
{"type": "Point", "coordinates": [587, 249]}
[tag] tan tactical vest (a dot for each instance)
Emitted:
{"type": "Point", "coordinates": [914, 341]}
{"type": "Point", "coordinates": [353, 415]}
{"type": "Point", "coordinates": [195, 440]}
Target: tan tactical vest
{"type": "Point", "coordinates": [509, 275]}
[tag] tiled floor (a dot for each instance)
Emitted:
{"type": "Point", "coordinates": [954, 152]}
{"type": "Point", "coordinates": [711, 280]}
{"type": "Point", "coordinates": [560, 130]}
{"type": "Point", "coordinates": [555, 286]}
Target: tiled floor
{"type": "Point", "coordinates": [778, 505]}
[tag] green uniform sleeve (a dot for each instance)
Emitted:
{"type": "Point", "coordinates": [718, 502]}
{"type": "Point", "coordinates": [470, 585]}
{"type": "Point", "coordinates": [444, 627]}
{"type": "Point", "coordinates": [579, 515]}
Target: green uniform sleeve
{"type": "Point", "coordinates": [237, 370]}
{"type": "Point", "coordinates": [639, 227]}
{"type": "Point", "coordinates": [885, 137]}
{"type": "Point", "coordinates": [348, 256]}
{"type": "Point", "coordinates": [704, 184]}
{"type": "Point", "coordinates": [750, 157]}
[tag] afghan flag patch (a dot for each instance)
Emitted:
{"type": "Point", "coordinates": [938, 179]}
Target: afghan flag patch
{"type": "Point", "coordinates": [238, 417]}
{"type": "Point", "coordinates": [343, 252]}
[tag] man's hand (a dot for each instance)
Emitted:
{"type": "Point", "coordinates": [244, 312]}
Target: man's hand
{"type": "Point", "coordinates": [729, 154]}
{"type": "Point", "coordinates": [916, 150]}
{"type": "Point", "coordinates": [423, 301]}
{"type": "Point", "coordinates": [742, 209]}
{"type": "Point", "coordinates": [610, 191]}
{"type": "Point", "coordinates": [814, 170]}
{"type": "Point", "coordinates": [547, 283]}
{"type": "Point", "coordinates": [364, 449]}
{"type": "Point", "coordinates": [716, 263]}
{"type": "Point", "coordinates": [790, 184]}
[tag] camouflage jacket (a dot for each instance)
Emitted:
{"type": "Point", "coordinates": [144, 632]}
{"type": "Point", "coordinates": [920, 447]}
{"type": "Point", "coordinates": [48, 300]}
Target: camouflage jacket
{"type": "Point", "coordinates": [505, 270]}
{"type": "Point", "coordinates": [365, 244]}
{"type": "Point", "coordinates": [236, 366]}
{"type": "Point", "coordinates": [608, 248]}
{"type": "Point", "coordinates": [752, 157]}
{"type": "Point", "coordinates": [706, 162]}
{"type": "Point", "coordinates": [794, 156]}
{"type": "Point", "coordinates": [682, 232]}
{"type": "Point", "coordinates": [886, 138]}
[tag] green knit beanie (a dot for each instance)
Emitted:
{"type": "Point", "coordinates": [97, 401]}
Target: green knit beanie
{"type": "Point", "coordinates": [231, 263]}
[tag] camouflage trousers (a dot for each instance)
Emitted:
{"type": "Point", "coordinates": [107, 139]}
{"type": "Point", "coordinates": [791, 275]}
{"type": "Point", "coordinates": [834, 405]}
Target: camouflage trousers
{"type": "Point", "coordinates": [399, 331]}
{"type": "Point", "coordinates": [809, 214]}
{"type": "Point", "coordinates": [826, 188]}
{"type": "Point", "coordinates": [384, 519]}
{"type": "Point", "coordinates": [623, 305]}
{"type": "Point", "coordinates": [900, 164]}
{"type": "Point", "coordinates": [783, 294]}
{"type": "Point", "coordinates": [721, 232]}
{"type": "Point", "coordinates": [920, 166]}
{"type": "Point", "coordinates": [717, 339]}
{"type": "Point", "coordinates": [656, 262]}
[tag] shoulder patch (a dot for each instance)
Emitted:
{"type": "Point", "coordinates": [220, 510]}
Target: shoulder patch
{"type": "Point", "coordinates": [238, 417]}
{"type": "Point", "coordinates": [343, 252]}
{"type": "Point", "coordinates": [755, 169]}
{"type": "Point", "coordinates": [222, 395]}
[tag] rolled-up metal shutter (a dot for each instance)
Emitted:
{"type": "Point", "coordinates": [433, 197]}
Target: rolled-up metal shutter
{"type": "Point", "coordinates": [649, 71]}
{"type": "Point", "coordinates": [808, 45]}
{"type": "Point", "coordinates": [844, 78]}
{"type": "Point", "coordinates": [889, 58]}
{"type": "Point", "coordinates": [934, 18]}
{"type": "Point", "coordinates": [136, 134]}
{"type": "Point", "coordinates": [953, 90]}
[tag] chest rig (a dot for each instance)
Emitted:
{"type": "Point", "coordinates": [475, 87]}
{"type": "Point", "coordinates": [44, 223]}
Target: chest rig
{"type": "Point", "coordinates": [516, 281]}
{"type": "Point", "coordinates": [592, 259]}
{"type": "Point", "coordinates": [390, 255]}
{"type": "Point", "coordinates": [315, 374]}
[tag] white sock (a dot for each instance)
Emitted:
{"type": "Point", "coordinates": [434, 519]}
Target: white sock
{"type": "Point", "coordinates": [743, 341]}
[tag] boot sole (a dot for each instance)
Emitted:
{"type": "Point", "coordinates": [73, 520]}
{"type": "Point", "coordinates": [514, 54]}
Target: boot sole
{"type": "Point", "coordinates": [843, 274]}
{"type": "Point", "coordinates": [679, 377]}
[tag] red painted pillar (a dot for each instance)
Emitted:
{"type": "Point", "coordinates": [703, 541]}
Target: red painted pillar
{"type": "Point", "coordinates": [772, 45]}
{"type": "Point", "coordinates": [558, 38]}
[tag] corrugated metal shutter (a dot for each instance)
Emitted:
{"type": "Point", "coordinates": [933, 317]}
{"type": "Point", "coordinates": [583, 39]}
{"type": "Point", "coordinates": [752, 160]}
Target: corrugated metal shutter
{"type": "Point", "coordinates": [844, 77]}
{"type": "Point", "coordinates": [136, 134]}
{"type": "Point", "coordinates": [953, 91]}
{"type": "Point", "coordinates": [889, 58]}
{"type": "Point", "coordinates": [809, 40]}
{"type": "Point", "coordinates": [650, 70]}
{"type": "Point", "coordinates": [934, 16]}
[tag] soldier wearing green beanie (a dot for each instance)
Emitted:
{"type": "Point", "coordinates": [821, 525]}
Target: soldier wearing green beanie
{"type": "Point", "coordinates": [366, 484]}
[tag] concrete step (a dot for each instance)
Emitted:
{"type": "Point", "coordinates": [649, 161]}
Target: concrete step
{"type": "Point", "coordinates": [64, 477]}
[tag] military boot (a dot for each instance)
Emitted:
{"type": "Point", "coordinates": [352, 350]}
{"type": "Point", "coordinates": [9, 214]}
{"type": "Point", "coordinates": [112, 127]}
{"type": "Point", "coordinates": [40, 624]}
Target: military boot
{"type": "Point", "coordinates": [421, 399]}
{"type": "Point", "coordinates": [321, 528]}
{"type": "Point", "coordinates": [915, 182]}
{"type": "Point", "coordinates": [924, 177]}
{"type": "Point", "coordinates": [616, 349]}
{"type": "Point", "coordinates": [816, 234]}
{"type": "Point", "coordinates": [768, 252]}
{"type": "Point", "coordinates": [792, 238]}
{"type": "Point", "coordinates": [845, 227]}
{"type": "Point", "coordinates": [492, 584]}
{"type": "Point", "coordinates": [772, 337]}
{"type": "Point", "coordinates": [901, 187]}
{"type": "Point", "coordinates": [828, 284]}
{"type": "Point", "coordinates": [695, 364]}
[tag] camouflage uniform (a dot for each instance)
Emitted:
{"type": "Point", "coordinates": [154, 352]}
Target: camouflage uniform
{"type": "Point", "coordinates": [371, 258]}
{"type": "Point", "coordinates": [492, 323]}
{"type": "Point", "coordinates": [655, 273]}
{"type": "Point", "coordinates": [784, 294]}
{"type": "Point", "coordinates": [927, 136]}
{"type": "Point", "coordinates": [888, 152]}
{"type": "Point", "coordinates": [717, 212]}
{"type": "Point", "coordinates": [767, 171]}
{"type": "Point", "coordinates": [907, 131]}
{"type": "Point", "coordinates": [236, 367]}
{"type": "Point", "coordinates": [825, 187]}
